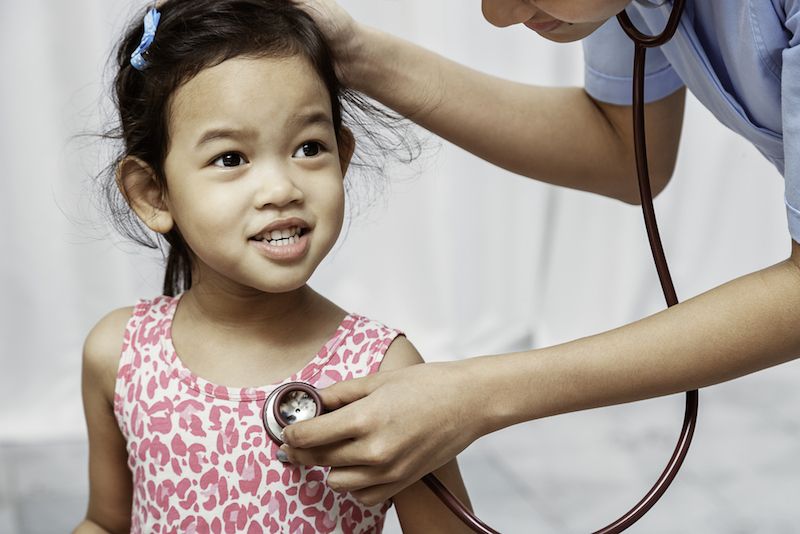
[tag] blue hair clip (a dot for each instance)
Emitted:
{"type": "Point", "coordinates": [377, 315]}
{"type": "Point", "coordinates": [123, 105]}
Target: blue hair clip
{"type": "Point", "coordinates": [138, 61]}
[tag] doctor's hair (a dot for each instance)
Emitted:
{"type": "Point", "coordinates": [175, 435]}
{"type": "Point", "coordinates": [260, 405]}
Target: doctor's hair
{"type": "Point", "coordinates": [193, 35]}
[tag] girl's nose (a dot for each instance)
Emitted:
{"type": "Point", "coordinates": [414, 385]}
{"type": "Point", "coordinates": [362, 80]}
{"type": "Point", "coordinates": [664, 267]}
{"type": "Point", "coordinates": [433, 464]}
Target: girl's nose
{"type": "Point", "coordinates": [277, 188]}
{"type": "Point", "coordinates": [503, 13]}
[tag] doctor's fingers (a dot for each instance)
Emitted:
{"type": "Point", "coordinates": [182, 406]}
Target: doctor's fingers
{"type": "Point", "coordinates": [363, 452]}
{"type": "Point", "coordinates": [370, 485]}
{"type": "Point", "coordinates": [372, 495]}
{"type": "Point", "coordinates": [350, 421]}
{"type": "Point", "coordinates": [336, 24]}
{"type": "Point", "coordinates": [349, 391]}
{"type": "Point", "coordinates": [326, 429]}
{"type": "Point", "coordinates": [339, 28]}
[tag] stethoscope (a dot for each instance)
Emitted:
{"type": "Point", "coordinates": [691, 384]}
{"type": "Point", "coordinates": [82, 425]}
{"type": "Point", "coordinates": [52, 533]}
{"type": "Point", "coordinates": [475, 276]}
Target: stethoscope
{"type": "Point", "coordinates": [297, 401]}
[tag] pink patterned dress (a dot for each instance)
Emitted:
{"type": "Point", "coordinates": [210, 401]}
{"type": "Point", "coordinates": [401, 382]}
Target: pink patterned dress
{"type": "Point", "coordinates": [200, 457]}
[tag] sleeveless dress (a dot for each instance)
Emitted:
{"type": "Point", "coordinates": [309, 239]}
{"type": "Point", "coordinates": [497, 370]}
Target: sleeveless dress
{"type": "Point", "coordinates": [200, 457]}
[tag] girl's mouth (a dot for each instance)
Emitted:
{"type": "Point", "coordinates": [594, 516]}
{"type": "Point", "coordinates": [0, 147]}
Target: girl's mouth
{"type": "Point", "coordinates": [287, 244]}
{"type": "Point", "coordinates": [281, 238]}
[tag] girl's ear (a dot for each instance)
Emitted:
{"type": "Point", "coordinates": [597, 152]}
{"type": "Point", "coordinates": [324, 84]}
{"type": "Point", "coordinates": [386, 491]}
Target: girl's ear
{"type": "Point", "coordinates": [347, 145]}
{"type": "Point", "coordinates": [137, 182]}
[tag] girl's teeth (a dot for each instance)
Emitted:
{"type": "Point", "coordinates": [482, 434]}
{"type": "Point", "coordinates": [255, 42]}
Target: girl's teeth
{"type": "Point", "coordinates": [283, 241]}
{"type": "Point", "coordinates": [283, 234]}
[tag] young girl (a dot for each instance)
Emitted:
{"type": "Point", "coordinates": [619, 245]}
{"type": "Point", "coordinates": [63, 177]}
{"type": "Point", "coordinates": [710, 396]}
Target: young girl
{"type": "Point", "coordinates": [234, 152]}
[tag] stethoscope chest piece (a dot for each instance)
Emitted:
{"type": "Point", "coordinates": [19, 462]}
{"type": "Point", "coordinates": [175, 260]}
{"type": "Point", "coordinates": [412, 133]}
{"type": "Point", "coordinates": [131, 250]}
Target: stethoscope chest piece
{"type": "Point", "coordinates": [290, 403]}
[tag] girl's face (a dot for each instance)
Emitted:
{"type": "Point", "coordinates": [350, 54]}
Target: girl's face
{"type": "Point", "coordinates": [254, 174]}
{"type": "Point", "coordinates": [558, 20]}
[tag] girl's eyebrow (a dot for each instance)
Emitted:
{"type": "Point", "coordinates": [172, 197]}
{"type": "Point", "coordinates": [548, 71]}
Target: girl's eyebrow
{"type": "Point", "coordinates": [310, 118]}
{"type": "Point", "coordinates": [227, 133]}
{"type": "Point", "coordinates": [299, 120]}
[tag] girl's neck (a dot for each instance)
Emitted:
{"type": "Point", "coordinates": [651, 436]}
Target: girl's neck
{"type": "Point", "coordinates": [249, 311]}
{"type": "Point", "coordinates": [246, 338]}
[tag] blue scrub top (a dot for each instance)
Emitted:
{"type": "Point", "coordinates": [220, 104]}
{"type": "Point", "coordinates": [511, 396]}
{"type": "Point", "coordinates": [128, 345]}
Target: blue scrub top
{"type": "Point", "coordinates": [739, 58]}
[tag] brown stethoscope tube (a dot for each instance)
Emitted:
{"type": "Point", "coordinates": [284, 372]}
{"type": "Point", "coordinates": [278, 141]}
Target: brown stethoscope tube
{"type": "Point", "coordinates": [642, 42]}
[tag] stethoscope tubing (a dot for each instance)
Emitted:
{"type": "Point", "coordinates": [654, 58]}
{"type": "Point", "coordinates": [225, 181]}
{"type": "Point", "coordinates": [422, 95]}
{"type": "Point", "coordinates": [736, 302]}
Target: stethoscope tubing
{"type": "Point", "coordinates": [456, 506]}
{"type": "Point", "coordinates": [642, 42]}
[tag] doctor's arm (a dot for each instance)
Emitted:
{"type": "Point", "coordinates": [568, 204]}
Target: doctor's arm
{"type": "Point", "coordinates": [558, 135]}
{"type": "Point", "coordinates": [391, 428]}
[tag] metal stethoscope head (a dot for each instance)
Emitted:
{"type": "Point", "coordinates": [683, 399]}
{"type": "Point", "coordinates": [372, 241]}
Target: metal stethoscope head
{"type": "Point", "coordinates": [297, 401]}
{"type": "Point", "coordinates": [288, 404]}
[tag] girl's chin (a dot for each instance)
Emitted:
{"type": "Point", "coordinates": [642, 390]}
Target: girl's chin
{"type": "Point", "coordinates": [255, 286]}
{"type": "Point", "coordinates": [277, 287]}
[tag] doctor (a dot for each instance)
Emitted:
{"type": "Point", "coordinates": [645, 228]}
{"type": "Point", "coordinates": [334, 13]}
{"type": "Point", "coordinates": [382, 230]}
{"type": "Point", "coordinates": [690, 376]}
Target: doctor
{"type": "Point", "coordinates": [740, 59]}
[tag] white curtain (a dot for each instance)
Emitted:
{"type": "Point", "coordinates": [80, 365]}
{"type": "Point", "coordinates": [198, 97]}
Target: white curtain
{"type": "Point", "coordinates": [464, 257]}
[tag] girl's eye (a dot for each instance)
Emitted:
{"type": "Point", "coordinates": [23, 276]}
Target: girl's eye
{"type": "Point", "coordinates": [231, 159]}
{"type": "Point", "coordinates": [308, 150]}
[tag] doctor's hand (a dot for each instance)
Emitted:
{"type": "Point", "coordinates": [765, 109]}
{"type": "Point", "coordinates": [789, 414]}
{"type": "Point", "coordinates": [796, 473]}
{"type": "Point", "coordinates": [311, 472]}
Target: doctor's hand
{"type": "Point", "coordinates": [390, 429]}
{"type": "Point", "coordinates": [341, 32]}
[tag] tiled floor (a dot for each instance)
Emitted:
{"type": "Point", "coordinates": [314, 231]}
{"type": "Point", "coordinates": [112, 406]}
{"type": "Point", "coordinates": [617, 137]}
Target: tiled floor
{"type": "Point", "coordinates": [569, 474]}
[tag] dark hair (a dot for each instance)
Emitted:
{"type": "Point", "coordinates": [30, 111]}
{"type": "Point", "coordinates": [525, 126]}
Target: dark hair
{"type": "Point", "coordinates": [196, 34]}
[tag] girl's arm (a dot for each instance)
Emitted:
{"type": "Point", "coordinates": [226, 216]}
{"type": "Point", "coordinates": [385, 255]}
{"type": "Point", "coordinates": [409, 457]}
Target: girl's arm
{"type": "Point", "coordinates": [110, 483]}
{"type": "Point", "coordinates": [390, 428]}
{"type": "Point", "coordinates": [418, 509]}
{"type": "Point", "coordinates": [553, 134]}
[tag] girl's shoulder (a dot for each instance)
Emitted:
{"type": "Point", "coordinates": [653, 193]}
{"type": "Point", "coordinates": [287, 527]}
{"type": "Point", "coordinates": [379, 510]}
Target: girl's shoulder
{"type": "Point", "coordinates": [401, 353]}
{"type": "Point", "coordinates": [105, 343]}
{"type": "Point", "coordinates": [103, 347]}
